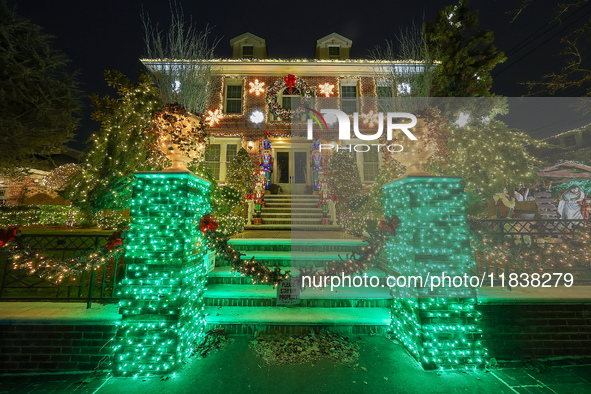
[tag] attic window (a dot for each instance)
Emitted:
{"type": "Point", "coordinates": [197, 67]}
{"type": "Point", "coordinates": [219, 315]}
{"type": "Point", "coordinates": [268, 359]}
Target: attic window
{"type": "Point", "coordinates": [334, 51]}
{"type": "Point", "coordinates": [248, 51]}
{"type": "Point", "coordinates": [570, 140]}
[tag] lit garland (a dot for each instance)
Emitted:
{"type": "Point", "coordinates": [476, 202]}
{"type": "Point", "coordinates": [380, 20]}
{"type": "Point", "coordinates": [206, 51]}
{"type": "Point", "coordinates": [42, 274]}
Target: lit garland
{"type": "Point", "coordinates": [290, 82]}
{"type": "Point", "coordinates": [354, 263]}
{"type": "Point", "coordinates": [514, 255]}
{"type": "Point", "coordinates": [439, 328]}
{"type": "Point", "coordinates": [54, 270]}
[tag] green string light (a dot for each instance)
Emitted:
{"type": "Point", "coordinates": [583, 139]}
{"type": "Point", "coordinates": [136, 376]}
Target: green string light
{"type": "Point", "coordinates": [439, 327]}
{"type": "Point", "coordinates": [162, 296]}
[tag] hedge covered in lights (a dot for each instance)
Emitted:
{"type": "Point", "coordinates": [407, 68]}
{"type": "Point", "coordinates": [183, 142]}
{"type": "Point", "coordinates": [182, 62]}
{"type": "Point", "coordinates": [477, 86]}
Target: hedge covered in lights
{"type": "Point", "coordinates": [58, 216]}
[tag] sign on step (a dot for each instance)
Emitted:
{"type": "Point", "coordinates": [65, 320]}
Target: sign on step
{"type": "Point", "coordinates": [288, 292]}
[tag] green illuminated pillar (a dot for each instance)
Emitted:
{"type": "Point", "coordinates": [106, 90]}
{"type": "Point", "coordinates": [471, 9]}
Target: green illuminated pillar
{"type": "Point", "coordinates": [162, 296]}
{"type": "Point", "coordinates": [437, 325]}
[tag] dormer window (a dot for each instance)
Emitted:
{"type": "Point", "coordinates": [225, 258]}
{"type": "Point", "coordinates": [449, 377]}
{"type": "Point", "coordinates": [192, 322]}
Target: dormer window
{"type": "Point", "coordinates": [247, 51]}
{"type": "Point", "coordinates": [334, 52]}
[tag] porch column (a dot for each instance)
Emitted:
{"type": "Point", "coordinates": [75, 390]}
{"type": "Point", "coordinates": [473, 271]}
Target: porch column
{"type": "Point", "coordinates": [438, 326]}
{"type": "Point", "coordinates": [161, 305]}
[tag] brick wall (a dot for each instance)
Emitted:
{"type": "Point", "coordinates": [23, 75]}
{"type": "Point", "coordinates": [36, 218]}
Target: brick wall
{"type": "Point", "coordinates": [535, 331]}
{"type": "Point", "coordinates": [55, 348]}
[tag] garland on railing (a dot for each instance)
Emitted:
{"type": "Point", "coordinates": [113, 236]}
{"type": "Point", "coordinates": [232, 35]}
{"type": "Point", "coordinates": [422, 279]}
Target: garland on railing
{"type": "Point", "coordinates": [573, 251]}
{"type": "Point", "coordinates": [24, 257]}
{"type": "Point", "coordinates": [354, 263]}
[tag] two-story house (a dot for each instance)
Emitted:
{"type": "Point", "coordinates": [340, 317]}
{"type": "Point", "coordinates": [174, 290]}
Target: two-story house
{"type": "Point", "coordinates": [254, 98]}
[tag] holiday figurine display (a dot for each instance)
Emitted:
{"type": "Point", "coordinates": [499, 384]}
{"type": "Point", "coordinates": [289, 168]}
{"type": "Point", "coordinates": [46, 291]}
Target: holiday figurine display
{"type": "Point", "coordinates": [259, 195]}
{"type": "Point", "coordinates": [324, 197]}
{"type": "Point", "coordinates": [267, 160]}
{"type": "Point", "coordinates": [316, 163]}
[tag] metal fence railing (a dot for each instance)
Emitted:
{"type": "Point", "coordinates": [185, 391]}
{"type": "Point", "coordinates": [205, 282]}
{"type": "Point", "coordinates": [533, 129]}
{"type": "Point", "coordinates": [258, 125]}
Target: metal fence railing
{"type": "Point", "coordinates": [96, 285]}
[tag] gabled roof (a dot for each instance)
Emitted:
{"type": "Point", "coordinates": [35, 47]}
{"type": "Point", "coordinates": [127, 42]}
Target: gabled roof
{"type": "Point", "coordinates": [334, 37]}
{"type": "Point", "coordinates": [566, 169]}
{"type": "Point", "coordinates": [246, 35]}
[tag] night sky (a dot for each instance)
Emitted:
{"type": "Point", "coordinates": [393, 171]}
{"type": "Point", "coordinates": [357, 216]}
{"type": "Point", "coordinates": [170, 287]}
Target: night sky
{"type": "Point", "coordinates": [108, 35]}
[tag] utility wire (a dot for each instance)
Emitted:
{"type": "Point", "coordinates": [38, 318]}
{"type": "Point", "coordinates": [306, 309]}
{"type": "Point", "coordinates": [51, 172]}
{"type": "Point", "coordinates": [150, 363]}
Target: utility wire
{"type": "Point", "coordinates": [538, 46]}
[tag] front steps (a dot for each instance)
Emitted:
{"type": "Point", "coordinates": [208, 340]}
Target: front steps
{"type": "Point", "coordinates": [291, 212]}
{"type": "Point", "coordinates": [233, 302]}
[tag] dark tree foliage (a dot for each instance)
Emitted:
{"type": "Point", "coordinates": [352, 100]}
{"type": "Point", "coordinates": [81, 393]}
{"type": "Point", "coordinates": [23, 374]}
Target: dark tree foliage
{"type": "Point", "coordinates": [38, 97]}
{"type": "Point", "coordinates": [467, 54]}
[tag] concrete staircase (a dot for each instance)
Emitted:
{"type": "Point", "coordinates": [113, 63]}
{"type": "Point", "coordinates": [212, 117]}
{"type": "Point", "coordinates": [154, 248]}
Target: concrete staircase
{"type": "Point", "coordinates": [291, 212]}
{"type": "Point", "coordinates": [234, 303]}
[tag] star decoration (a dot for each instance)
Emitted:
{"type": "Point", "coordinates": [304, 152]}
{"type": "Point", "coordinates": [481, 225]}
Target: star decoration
{"type": "Point", "coordinates": [326, 89]}
{"type": "Point", "coordinates": [256, 87]}
{"type": "Point", "coordinates": [214, 117]}
{"type": "Point", "coordinates": [371, 117]}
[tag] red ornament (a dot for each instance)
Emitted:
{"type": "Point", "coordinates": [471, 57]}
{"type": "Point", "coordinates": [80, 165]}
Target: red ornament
{"type": "Point", "coordinates": [290, 81]}
{"type": "Point", "coordinates": [208, 223]}
{"type": "Point", "coordinates": [8, 235]}
{"type": "Point", "coordinates": [389, 226]}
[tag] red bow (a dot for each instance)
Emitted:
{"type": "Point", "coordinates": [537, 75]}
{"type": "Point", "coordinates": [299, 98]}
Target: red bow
{"type": "Point", "coordinates": [389, 226]}
{"type": "Point", "coordinates": [334, 197]}
{"type": "Point", "coordinates": [207, 223]}
{"type": "Point", "coordinates": [250, 196]}
{"type": "Point", "coordinates": [115, 239]}
{"type": "Point", "coordinates": [267, 134]}
{"type": "Point", "coordinates": [290, 81]}
{"type": "Point", "coordinates": [8, 235]}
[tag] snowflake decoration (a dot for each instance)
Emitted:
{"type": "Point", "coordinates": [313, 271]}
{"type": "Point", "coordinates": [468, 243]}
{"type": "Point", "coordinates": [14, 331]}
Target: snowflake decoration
{"type": "Point", "coordinates": [214, 117]}
{"type": "Point", "coordinates": [326, 89]}
{"type": "Point", "coordinates": [257, 117]}
{"type": "Point", "coordinates": [371, 118]}
{"type": "Point", "coordinates": [256, 87]}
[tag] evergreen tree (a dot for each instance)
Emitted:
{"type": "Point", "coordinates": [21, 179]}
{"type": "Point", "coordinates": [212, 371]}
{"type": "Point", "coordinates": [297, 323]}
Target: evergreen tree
{"type": "Point", "coordinates": [124, 144]}
{"type": "Point", "coordinates": [467, 54]}
{"type": "Point", "coordinates": [240, 175]}
{"type": "Point", "coordinates": [38, 97]}
{"type": "Point", "coordinates": [488, 157]}
{"type": "Point", "coordinates": [343, 176]}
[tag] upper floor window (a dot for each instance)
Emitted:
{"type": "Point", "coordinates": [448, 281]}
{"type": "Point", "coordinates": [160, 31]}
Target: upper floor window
{"type": "Point", "coordinates": [349, 96]}
{"type": "Point", "coordinates": [248, 51]}
{"type": "Point", "coordinates": [233, 99]}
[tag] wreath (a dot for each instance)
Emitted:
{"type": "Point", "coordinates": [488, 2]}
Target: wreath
{"type": "Point", "coordinates": [292, 83]}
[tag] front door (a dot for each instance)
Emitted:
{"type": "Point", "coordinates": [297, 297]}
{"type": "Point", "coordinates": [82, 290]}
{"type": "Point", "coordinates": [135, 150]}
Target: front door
{"type": "Point", "coordinates": [292, 172]}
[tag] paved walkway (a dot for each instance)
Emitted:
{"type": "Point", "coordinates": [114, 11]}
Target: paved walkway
{"type": "Point", "coordinates": [387, 368]}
